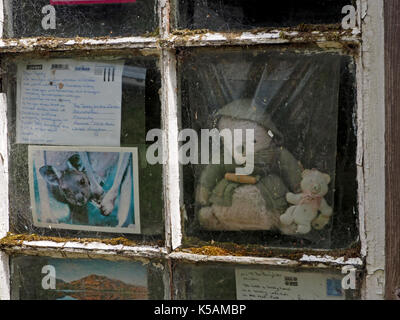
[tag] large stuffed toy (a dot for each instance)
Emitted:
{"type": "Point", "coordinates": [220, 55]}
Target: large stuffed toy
{"type": "Point", "coordinates": [309, 203]}
{"type": "Point", "coordinates": [227, 201]}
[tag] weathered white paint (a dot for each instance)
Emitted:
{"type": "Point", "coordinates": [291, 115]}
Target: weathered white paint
{"type": "Point", "coordinates": [92, 249]}
{"type": "Point", "coordinates": [168, 41]}
{"type": "Point", "coordinates": [3, 167]}
{"type": "Point", "coordinates": [331, 260]}
{"type": "Point", "coordinates": [173, 233]}
{"type": "Point", "coordinates": [101, 250]}
{"type": "Point", "coordinates": [1, 19]}
{"type": "Point", "coordinates": [4, 221]}
{"type": "Point", "coordinates": [371, 157]}
{"type": "Point", "coordinates": [195, 258]}
{"type": "Point", "coordinates": [306, 261]}
{"type": "Point", "coordinates": [249, 38]}
{"type": "Point", "coordinates": [164, 8]}
{"type": "Point", "coordinates": [61, 44]}
{"type": "Point", "coordinates": [4, 277]}
{"type": "Point", "coordinates": [171, 147]}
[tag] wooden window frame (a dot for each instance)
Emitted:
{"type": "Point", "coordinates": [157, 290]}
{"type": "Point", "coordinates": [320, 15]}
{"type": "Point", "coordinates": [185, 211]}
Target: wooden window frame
{"type": "Point", "coordinates": [370, 155]}
{"type": "Point", "coordinates": [392, 89]}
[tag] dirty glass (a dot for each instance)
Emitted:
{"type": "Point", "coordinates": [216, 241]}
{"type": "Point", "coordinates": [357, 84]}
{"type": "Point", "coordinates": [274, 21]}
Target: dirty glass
{"type": "Point", "coordinates": [242, 282]}
{"type": "Point", "coordinates": [235, 15]}
{"type": "Point", "coordinates": [24, 19]}
{"type": "Point", "coordinates": [83, 212]}
{"type": "Point", "coordinates": [288, 179]}
{"type": "Point", "coordinates": [47, 278]}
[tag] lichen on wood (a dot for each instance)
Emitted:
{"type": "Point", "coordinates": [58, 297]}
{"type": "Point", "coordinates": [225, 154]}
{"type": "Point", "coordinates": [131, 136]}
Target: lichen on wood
{"type": "Point", "coordinates": [195, 246]}
{"type": "Point", "coordinates": [18, 239]}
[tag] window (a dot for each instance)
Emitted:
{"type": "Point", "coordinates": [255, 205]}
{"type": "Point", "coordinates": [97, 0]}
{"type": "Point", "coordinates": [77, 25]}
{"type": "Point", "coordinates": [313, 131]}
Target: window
{"type": "Point", "coordinates": [99, 20]}
{"type": "Point", "coordinates": [304, 100]}
{"type": "Point", "coordinates": [188, 150]}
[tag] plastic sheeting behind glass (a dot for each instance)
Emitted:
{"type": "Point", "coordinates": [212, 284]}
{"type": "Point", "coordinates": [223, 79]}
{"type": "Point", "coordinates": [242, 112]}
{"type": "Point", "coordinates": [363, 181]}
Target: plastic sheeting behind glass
{"type": "Point", "coordinates": [231, 15]}
{"type": "Point", "coordinates": [301, 188]}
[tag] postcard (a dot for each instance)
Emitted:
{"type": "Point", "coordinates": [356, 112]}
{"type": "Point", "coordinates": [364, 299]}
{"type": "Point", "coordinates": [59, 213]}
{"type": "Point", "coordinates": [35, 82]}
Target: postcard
{"type": "Point", "coordinates": [69, 102]}
{"type": "Point", "coordinates": [258, 284]}
{"type": "Point", "coordinates": [85, 188]}
{"type": "Point", "coordinates": [99, 280]}
{"type": "Point", "coordinates": [47, 278]}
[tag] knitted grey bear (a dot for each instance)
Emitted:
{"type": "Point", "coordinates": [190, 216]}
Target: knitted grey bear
{"type": "Point", "coordinates": [228, 202]}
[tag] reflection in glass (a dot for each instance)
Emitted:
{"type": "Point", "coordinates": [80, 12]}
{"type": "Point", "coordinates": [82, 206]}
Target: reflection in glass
{"type": "Point", "coordinates": [234, 15]}
{"type": "Point", "coordinates": [84, 20]}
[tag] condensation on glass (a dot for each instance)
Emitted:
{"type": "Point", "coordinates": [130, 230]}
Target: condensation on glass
{"type": "Point", "coordinates": [47, 278]}
{"type": "Point", "coordinates": [235, 15]}
{"type": "Point", "coordinates": [299, 188]}
{"type": "Point", "coordinates": [24, 19]}
{"type": "Point", "coordinates": [246, 282]}
{"type": "Point", "coordinates": [140, 112]}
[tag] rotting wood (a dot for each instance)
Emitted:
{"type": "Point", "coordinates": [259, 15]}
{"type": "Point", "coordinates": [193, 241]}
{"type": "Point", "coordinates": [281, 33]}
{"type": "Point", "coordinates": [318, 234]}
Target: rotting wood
{"type": "Point", "coordinates": [179, 39]}
{"type": "Point", "coordinates": [320, 262]}
{"type": "Point", "coordinates": [15, 239]}
{"type": "Point", "coordinates": [125, 249]}
{"type": "Point", "coordinates": [98, 250]}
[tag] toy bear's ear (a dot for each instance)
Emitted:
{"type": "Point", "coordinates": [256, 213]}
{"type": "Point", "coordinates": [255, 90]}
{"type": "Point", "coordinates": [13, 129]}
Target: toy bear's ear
{"type": "Point", "coordinates": [306, 173]}
{"type": "Point", "coordinates": [327, 178]}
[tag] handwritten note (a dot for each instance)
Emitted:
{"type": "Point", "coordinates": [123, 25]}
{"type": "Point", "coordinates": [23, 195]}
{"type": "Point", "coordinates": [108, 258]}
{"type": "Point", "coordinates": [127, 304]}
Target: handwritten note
{"type": "Point", "coordinates": [69, 102]}
{"type": "Point", "coordinates": [257, 284]}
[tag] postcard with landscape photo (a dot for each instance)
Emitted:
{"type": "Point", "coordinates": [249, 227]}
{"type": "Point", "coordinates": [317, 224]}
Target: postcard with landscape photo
{"type": "Point", "coordinates": [84, 279]}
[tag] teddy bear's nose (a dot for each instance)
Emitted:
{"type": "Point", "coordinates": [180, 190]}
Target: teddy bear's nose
{"type": "Point", "coordinates": [317, 188]}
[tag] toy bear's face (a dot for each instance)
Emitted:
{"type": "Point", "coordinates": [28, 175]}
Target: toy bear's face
{"type": "Point", "coordinates": [261, 138]}
{"type": "Point", "coordinates": [315, 182]}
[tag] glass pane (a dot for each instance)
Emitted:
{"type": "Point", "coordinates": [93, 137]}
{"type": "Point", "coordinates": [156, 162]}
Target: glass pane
{"type": "Point", "coordinates": [222, 282]}
{"type": "Point", "coordinates": [279, 169]}
{"type": "Point", "coordinates": [63, 112]}
{"type": "Point", "coordinates": [25, 18]}
{"type": "Point", "coordinates": [231, 15]}
{"type": "Point", "coordinates": [45, 278]}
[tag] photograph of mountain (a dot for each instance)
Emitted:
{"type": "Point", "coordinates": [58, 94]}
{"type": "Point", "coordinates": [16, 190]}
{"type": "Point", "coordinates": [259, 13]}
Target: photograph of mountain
{"type": "Point", "coordinates": [50, 278]}
{"type": "Point", "coordinates": [84, 279]}
{"type": "Point", "coordinates": [95, 287]}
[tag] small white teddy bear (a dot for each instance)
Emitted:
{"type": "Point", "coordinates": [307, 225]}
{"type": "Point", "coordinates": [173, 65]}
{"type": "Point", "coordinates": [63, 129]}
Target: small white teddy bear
{"type": "Point", "coordinates": [307, 204]}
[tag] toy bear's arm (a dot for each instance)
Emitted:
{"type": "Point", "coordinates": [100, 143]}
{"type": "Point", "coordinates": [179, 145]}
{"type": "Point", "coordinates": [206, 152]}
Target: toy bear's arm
{"type": "Point", "coordinates": [209, 178]}
{"type": "Point", "coordinates": [291, 170]}
{"type": "Point", "coordinates": [323, 219]}
{"type": "Point", "coordinates": [325, 209]}
{"type": "Point", "coordinates": [293, 198]}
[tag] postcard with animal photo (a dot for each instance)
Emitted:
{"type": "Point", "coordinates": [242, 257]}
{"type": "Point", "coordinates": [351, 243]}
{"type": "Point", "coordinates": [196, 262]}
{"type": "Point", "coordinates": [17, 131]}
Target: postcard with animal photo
{"type": "Point", "coordinates": [85, 188]}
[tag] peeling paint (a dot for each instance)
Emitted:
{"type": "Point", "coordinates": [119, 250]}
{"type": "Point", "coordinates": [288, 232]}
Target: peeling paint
{"type": "Point", "coordinates": [332, 260]}
{"type": "Point", "coordinates": [372, 142]}
{"type": "Point", "coordinates": [17, 239]}
{"type": "Point", "coordinates": [194, 246]}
